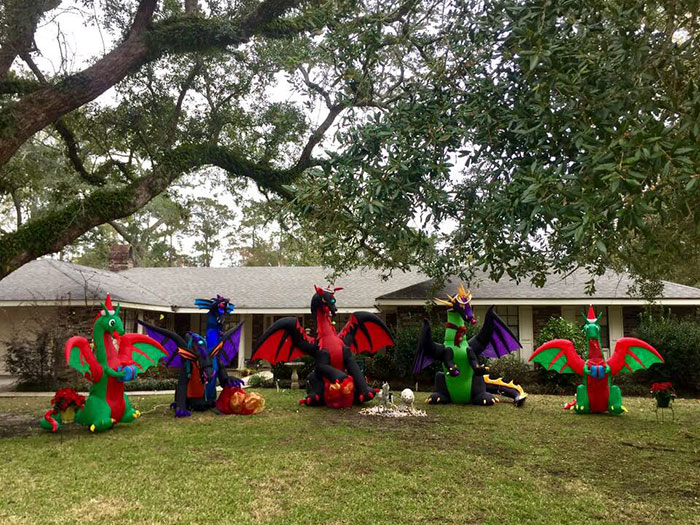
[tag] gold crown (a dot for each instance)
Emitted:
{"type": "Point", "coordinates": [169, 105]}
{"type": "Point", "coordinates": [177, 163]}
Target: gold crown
{"type": "Point", "coordinates": [462, 297]}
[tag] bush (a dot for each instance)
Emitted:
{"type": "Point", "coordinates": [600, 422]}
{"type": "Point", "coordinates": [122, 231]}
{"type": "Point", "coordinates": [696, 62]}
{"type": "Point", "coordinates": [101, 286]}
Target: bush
{"type": "Point", "coordinates": [559, 328]}
{"type": "Point", "coordinates": [260, 381]}
{"type": "Point", "coordinates": [510, 368]}
{"type": "Point", "coordinates": [678, 342]}
{"type": "Point", "coordinates": [151, 383]}
{"type": "Point", "coordinates": [39, 364]}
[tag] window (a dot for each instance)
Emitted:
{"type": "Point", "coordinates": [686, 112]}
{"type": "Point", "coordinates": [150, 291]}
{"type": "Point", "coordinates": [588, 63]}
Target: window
{"type": "Point", "coordinates": [509, 314]}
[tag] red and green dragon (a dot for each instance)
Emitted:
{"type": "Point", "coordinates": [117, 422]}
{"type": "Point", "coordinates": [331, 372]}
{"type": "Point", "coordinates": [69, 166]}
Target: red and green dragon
{"type": "Point", "coordinates": [597, 394]}
{"type": "Point", "coordinates": [107, 367]}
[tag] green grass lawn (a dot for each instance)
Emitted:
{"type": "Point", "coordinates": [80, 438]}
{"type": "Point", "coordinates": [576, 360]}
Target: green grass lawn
{"type": "Point", "coordinates": [291, 464]}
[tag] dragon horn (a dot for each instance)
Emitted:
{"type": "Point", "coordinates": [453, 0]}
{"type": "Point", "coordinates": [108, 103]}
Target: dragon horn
{"type": "Point", "coordinates": [337, 288]}
{"type": "Point", "coordinates": [443, 302]}
{"type": "Point", "coordinates": [319, 290]}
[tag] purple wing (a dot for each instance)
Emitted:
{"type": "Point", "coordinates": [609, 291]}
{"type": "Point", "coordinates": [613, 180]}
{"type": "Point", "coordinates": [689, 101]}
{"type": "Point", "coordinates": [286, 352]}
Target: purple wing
{"type": "Point", "coordinates": [227, 349]}
{"type": "Point", "coordinates": [501, 341]}
{"type": "Point", "coordinates": [168, 340]}
{"type": "Point", "coordinates": [427, 351]}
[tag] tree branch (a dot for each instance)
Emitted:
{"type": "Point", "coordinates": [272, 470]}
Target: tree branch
{"type": "Point", "coordinates": [20, 21]}
{"type": "Point", "coordinates": [143, 43]}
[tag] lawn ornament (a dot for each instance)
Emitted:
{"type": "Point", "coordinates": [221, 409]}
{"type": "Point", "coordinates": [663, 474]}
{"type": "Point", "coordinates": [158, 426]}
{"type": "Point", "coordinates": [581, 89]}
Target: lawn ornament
{"type": "Point", "coordinates": [387, 408]}
{"type": "Point", "coordinates": [462, 379]}
{"type": "Point", "coordinates": [385, 396]}
{"type": "Point", "coordinates": [107, 367]}
{"type": "Point", "coordinates": [203, 361]}
{"type": "Point", "coordinates": [407, 397]}
{"type": "Point", "coordinates": [336, 380]}
{"type": "Point", "coordinates": [597, 394]}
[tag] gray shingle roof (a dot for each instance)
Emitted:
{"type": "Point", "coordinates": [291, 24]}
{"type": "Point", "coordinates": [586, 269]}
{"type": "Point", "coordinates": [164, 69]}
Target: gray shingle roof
{"type": "Point", "coordinates": [284, 288]}
{"type": "Point", "coordinates": [52, 280]}
{"type": "Point", "coordinates": [248, 287]}
{"type": "Point", "coordinates": [268, 287]}
{"type": "Point", "coordinates": [611, 285]}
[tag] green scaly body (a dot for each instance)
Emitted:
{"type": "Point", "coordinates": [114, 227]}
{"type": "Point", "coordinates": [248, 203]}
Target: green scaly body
{"type": "Point", "coordinates": [459, 387]}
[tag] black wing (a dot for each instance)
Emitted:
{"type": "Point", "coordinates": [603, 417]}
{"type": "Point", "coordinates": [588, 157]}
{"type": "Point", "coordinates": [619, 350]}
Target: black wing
{"type": "Point", "coordinates": [365, 332]}
{"type": "Point", "coordinates": [174, 345]}
{"type": "Point", "coordinates": [284, 341]}
{"type": "Point", "coordinates": [494, 339]}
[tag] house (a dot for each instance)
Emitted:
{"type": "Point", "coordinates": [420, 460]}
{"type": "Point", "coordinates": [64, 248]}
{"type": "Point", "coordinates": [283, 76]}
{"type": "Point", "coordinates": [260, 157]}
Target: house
{"type": "Point", "coordinates": [49, 293]}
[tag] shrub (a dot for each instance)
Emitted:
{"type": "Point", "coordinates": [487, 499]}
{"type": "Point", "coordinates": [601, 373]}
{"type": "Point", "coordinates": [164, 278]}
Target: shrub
{"type": "Point", "coordinates": [559, 328]}
{"type": "Point", "coordinates": [39, 364]}
{"type": "Point", "coordinates": [678, 342]}
{"type": "Point", "coordinates": [260, 381]}
{"type": "Point", "coordinates": [510, 368]}
{"type": "Point", "coordinates": [151, 383]}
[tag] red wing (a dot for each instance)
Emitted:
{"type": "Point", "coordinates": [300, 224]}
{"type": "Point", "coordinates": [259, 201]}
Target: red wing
{"type": "Point", "coordinates": [140, 350]}
{"type": "Point", "coordinates": [79, 356]}
{"type": "Point", "coordinates": [559, 355]}
{"type": "Point", "coordinates": [632, 354]}
{"type": "Point", "coordinates": [286, 340]}
{"type": "Point", "coordinates": [365, 332]}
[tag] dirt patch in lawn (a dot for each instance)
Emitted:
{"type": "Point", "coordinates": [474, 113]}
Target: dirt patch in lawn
{"type": "Point", "coordinates": [12, 425]}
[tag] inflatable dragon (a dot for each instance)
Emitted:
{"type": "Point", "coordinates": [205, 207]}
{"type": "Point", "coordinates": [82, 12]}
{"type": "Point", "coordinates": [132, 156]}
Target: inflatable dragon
{"type": "Point", "coordinates": [107, 367]}
{"type": "Point", "coordinates": [201, 361]}
{"type": "Point", "coordinates": [336, 380]}
{"type": "Point", "coordinates": [462, 379]}
{"type": "Point", "coordinates": [597, 394]}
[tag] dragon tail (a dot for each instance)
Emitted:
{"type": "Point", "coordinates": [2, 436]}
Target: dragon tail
{"type": "Point", "coordinates": [51, 420]}
{"type": "Point", "coordinates": [511, 390]}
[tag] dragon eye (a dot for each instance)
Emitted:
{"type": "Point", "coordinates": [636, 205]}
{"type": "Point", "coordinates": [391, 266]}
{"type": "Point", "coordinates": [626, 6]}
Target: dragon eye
{"type": "Point", "coordinates": [332, 300]}
{"type": "Point", "coordinates": [112, 322]}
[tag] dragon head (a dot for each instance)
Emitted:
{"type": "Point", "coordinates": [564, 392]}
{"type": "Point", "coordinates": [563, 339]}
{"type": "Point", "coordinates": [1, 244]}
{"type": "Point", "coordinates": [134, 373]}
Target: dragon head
{"type": "Point", "coordinates": [218, 305]}
{"type": "Point", "coordinates": [460, 303]}
{"type": "Point", "coordinates": [108, 320]}
{"type": "Point", "coordinates": [592, 325]}
{"type": "Point", "coordinates": [198, 346]}
{"type": "Point", "coordinates": [325, 299]}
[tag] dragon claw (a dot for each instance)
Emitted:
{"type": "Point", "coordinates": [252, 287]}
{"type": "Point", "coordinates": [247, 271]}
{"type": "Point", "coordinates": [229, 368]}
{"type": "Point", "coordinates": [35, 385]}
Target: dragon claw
{"type": "Point", "coordinates": [137, 414]}
{"type": "Point", "coordinates": [92, 428]}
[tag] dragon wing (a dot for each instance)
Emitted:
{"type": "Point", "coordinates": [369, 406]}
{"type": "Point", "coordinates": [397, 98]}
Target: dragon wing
{"type": "Point", "coordinates": [284, 341]}
{"type": "Point", "coordinates": [632, 354]}
{"type": "Point", "coordinates": [428, 350]}
{"type": "Point", "coordinates": [140, 350]}
{"type": "Point", "coordinates": [559, 355]}
{"type": "Point", "coordinates": [365, 332]}
{"type": "Point", "coordinates": [495, 338]}
{"type": "Point", "coordinates": [79, 356]}
{"type": "Point", "coordinates": [174, 345]}
{"type": "Point", "coordinates": [227, 349]}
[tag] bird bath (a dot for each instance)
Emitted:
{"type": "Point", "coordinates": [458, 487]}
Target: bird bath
{"type": "Point", "coordinates": [295, 366]}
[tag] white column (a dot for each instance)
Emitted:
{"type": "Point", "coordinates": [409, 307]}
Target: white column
{"type": "Point", "coordinates": [526, 331]}
{"type": "Point", "coordinates": [245, 348]}
{"type": "Point", "coordinates": [139, 316]}
{"type": "Point", "coordinates": [615, 325]}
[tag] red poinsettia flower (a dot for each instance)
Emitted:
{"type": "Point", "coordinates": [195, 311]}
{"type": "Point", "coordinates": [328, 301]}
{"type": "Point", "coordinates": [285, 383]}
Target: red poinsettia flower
{"type": "Point", "coordinates": [67, 397]}
{"type": "Point", "coordinates": [661, 387]}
